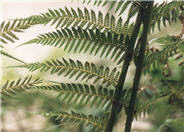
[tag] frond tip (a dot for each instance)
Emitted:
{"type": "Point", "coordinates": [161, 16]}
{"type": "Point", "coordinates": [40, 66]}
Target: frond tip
{"type": "Point", "coordinates": [77, 119]}
{"type": "Point", "coordinates": [9, 28]}
{"type": "Point", "coordinates": [12, 88]}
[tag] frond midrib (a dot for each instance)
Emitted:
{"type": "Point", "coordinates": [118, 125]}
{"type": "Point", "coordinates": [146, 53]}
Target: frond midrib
{"type": "Point", "coordinates": [122, 47]}
{"type": "Point", "coordinates": [29, 84]}
{"type": "Point", "coordinates": [112, 81]}
{"type": "Point", "coordinates": [82, 119]}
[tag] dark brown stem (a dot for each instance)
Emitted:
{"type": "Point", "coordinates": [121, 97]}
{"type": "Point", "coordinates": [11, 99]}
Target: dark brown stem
{"type": "Point", "coordinates": [146, 25]}
{"type": "Point", "coordinates": [116, 107]}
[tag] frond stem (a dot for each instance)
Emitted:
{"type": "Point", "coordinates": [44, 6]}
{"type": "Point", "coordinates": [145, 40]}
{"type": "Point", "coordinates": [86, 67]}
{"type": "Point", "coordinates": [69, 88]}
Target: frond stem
{"type": "Point", "coordinates": [128, 57]}
{"type": "Point", "coordinates": [146, 23]}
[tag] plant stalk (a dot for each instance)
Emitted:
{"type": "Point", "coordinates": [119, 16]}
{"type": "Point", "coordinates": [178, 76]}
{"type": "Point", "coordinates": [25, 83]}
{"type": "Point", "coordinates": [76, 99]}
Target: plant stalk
{"type": "Point", "coordinates": [146, 25]}
{"type": "Point", "coordinates": [116, 107]}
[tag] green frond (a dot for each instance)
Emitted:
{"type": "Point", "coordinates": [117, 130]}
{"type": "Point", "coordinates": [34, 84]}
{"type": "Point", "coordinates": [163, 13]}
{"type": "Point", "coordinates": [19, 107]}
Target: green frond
{"type": "Point", "coordinates": [75, 118]}
{"type": "Point", "coordinates": [170, 46]}
{"type": "Point", "coordinates": [82, 94]}
{"type": "Point", "coordinates": [12, 88]}
{"type": "Point", "coordinates": [165, 13]}
{"type": "Point", "coordinates": [10, 56]}
{"type": "Point", "coordinates": [84, 19]}
{"type": "Point", "coordinates": [9, 28]}
{"type": "Point", "coordinates": [71, 68]}
{"type": "Point", "coordinates": [120, 6]}
{"type": "Point", "coordinates": [148, 106]}
{"type": "Point", "coordinates": [79, 40]}
{"type": "Point", "coordinates": [168, 91]}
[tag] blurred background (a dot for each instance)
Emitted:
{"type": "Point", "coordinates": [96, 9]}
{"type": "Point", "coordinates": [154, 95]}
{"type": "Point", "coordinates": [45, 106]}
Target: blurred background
{"type": "Point", "coordinates": [14, 112]}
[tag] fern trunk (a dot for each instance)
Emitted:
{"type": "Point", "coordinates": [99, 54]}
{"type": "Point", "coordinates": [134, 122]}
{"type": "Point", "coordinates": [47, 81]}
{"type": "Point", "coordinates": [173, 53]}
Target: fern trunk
{"type": "Point", "coordinates": [116, 107]}
{"type": "Point", "coordinates": [146, 24]}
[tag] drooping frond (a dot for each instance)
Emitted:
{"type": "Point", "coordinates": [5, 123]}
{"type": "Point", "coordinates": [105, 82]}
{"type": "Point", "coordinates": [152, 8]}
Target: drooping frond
{"type": "Point", "coordinates": [75, 118]}
{"type": "Point", "coordinates": [170, 46]}
{"type": "Point", "coordinates": [78, 70]}
{"type": "Point", "coordinates": [9, 28]}
{"type": "Point", "coordinates": [12, 88]}
{"type": "Point", "coordinates": [79, 40]}
{"type": "Point", "coordinates": [82, 94]}
{"type": "Point", "coordinates": [10, 56]}
{"type": "Point", "coordinates": [166, 13]}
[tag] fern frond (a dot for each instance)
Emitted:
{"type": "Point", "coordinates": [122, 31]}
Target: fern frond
{"type": "Point", "coordinates": [148, 106]}
{"type": "Point", "coordinates": [75, 118]}
{"type": "Point", "coordinates": [79, 40]}
{"type": "Point", "coordinates": [78, 70]}
{"type": "Point", "coordinates": [165, 12]}
{"type": "Point", "coordinates": [170, 44]}
{"type": "Point", "coordinates": [118, 5]}
{"type": "Point", "coordinates": [9, 28]}
{"type": "Point", "coordinates": [12, 88]}
{"type": "Point", "coordinates": [10, 56]}
{"type": "Point", "coordinates": [82, 94]}
{"type": "Point", "coordinates": [84, 19]}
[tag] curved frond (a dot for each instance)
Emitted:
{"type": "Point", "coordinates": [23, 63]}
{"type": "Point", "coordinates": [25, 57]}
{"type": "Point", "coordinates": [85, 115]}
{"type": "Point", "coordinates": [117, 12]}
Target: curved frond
{"type": "Point", "coordinates": [79, 40]}
{"type": "Point", "coordinates": [78, 70]}
{"type": "Point", "coordinates": [12, 88]}
{"type": "Point", "coordinates": [75, 118]}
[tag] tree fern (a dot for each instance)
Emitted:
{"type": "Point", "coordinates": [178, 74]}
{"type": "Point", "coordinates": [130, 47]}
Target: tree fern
{"type": "Point", "coordinates": [104, 35]}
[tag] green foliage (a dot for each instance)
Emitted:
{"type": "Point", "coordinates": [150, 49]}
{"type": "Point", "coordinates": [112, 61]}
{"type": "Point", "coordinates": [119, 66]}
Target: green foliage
{"type": "Point", "coordinates": [9, 28]}
{"type": "Point", "coordinates": [78, 70]}
{"type": "Point", "coordinates": [77, 119]}
{"type": "Point", "coordinates": [80, 40]}
{"type": "Point", "coordinates": [10, 89]}
{"type": "Point", "coordinates": [119, 6]}
{"type": "Point", "coordinates": [171, 46]}
{"type": "Point", "coordinates": [172, 126]}
{"type": "Point", "coordinates": [85, 31]}
{"type": "Point", "coordinates": [10, 56]}
{"type": "Point", "coordinates": [166, 13]}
